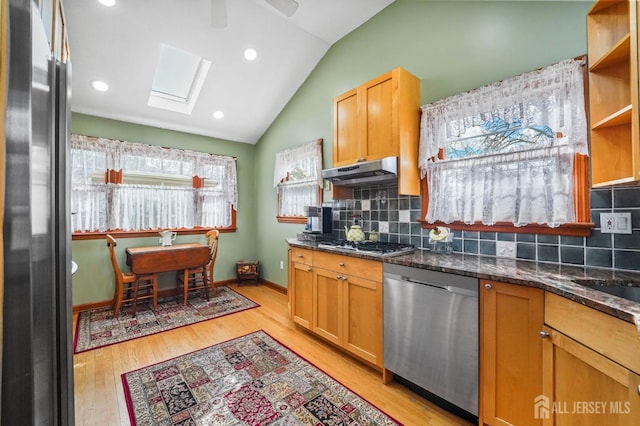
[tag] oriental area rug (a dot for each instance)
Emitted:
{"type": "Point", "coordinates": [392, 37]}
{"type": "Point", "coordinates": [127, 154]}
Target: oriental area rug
{"type": "Point", "coordinates": [98, 328]}
{"type": "Point", "coordinates": [251, 380]}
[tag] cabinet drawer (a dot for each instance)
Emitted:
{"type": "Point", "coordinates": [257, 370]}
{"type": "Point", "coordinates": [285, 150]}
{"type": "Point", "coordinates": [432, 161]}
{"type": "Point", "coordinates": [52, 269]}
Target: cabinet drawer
{"type": "Point", "coordinates": [364, 268]}
{"type": "Point", "coordinates": [301, 255]}
{"type": "Point", "coordinates": [610, 336]}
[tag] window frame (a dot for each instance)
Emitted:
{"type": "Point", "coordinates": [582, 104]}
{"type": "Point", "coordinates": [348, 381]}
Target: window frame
{"type": "Point", "coordinates": [300, 219]}
{"type": "Point", "coordinates": [116, 177]}
{"type": "Point", "coordinates": [581, 195]}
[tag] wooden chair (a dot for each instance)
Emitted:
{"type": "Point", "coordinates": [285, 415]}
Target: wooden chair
{"type": "Point", "coordinates": [127, 287]}
{"type": "Point", "coordinates": [201, 278]}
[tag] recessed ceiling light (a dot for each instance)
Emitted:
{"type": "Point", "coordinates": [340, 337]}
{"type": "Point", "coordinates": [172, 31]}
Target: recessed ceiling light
{"type": "Point", "coordinates": [100, 85]}
{"type": "Point", "coordinates": [218, 115]}
{"type": "Point", "coordinates": [250, 54]}
{"type": "Point", "coordinates": [108, 3]}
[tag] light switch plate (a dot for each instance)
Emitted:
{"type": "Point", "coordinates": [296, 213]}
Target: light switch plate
{"type": "Point", "coordinates": [615, 223]}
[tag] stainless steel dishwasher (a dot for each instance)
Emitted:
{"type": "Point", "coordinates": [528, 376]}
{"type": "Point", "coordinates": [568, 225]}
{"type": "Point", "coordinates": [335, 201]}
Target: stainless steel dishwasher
{"type": "Point", "coordinates": [431, 332]}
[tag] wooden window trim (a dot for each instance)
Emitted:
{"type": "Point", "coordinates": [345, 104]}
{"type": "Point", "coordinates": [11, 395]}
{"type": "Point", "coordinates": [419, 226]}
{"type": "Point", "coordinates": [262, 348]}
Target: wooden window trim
{"type": "Point", "coordinates": [581, 200]}
{"type": "Point", "coordinates": [581, 228]}
{"type": "Point", "coordinates": [296, 219]}
{"type": "Point", "coordinates": [115, 176]}
{"type": "Point", "coordinates": [78, 236]}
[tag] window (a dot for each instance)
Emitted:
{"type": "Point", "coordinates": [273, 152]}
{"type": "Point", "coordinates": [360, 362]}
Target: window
{"type": "Point", "coordinates": [136, 187]}
{"type": "Point", "coordinates": [298, 179]}
{"type": "Point", "coordinates": [511, 153]}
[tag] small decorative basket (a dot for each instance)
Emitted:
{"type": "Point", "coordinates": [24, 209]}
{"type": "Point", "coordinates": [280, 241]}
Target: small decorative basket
{"type": "Point", "coordinates": [247, 270]}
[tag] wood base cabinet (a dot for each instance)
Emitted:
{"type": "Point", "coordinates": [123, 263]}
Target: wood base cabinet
{"type": "Point", "coordinates": [511, 318]}
{"type": "Point", "coordinates": [301, 286]}
{"type": "Point", "coordinates": [591, 367]}
{"type": "Point", "coordinates": [339, 298]}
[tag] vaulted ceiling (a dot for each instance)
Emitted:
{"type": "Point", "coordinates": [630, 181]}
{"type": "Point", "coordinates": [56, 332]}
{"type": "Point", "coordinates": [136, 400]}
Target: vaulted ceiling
{"type": "Point", "coordinates": [121, 46]}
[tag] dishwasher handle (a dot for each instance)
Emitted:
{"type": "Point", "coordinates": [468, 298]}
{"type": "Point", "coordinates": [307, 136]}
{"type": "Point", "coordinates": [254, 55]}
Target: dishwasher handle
{"type": "Point", "coordinates": [450, 288]}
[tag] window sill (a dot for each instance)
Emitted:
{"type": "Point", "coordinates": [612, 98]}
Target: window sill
{"type": "Point", "coordinates": [582, 229]}
{"type": "Point", "coordinates": [76, 236]}
{"type": "Point", "coordinates": [292, 219]}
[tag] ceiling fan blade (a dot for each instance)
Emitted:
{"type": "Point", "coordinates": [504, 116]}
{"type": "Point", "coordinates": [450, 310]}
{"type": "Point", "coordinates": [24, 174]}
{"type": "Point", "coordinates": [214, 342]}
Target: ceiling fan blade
{"type": "Point", "coordinates": [286, 7]}
{"type": "Point", "coordinates": [218, 13]}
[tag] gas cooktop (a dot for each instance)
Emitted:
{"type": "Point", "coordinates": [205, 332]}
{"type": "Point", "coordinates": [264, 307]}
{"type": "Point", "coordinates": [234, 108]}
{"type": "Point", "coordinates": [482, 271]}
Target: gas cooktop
{"type": "Point", "coordinates": [376, 248]}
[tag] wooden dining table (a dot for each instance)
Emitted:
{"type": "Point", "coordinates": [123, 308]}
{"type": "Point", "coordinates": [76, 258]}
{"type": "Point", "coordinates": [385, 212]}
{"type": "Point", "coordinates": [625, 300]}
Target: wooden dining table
{"type": "Point", "coordinates": [176, 257]}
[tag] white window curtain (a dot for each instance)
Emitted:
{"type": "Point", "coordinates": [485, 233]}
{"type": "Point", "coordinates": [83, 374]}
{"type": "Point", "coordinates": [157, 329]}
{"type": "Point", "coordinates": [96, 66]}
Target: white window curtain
{"type": "Point", "coordinates": [298, 177]}
{"type": "Point", "coordinates": [102, 206]}
{"type": "Point", "coordinates": [519, 184]}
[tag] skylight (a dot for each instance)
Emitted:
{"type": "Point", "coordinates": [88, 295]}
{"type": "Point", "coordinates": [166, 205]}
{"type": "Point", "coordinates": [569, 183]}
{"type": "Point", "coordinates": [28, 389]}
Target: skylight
{"type": "Point", "coordinates": [178, 80]}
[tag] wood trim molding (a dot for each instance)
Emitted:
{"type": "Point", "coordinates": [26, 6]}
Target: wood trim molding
{"type": "Point", "coordinates": [77, 236]}
{"type": "Point", "coordinates": [292, 219]}
{"type": "Point", "coordinates": [174, 292]}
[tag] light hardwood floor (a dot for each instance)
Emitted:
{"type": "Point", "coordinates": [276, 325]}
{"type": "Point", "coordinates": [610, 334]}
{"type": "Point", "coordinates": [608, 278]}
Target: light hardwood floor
{"type": "Point", "coordinates": [99, 398]}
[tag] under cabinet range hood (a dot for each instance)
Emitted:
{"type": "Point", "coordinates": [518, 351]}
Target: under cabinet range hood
{"type": "Point", "coordinates": [375, 172]}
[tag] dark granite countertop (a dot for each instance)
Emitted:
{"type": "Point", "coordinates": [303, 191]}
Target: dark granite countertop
{"type": "Point", "coordinates": [554, 278]}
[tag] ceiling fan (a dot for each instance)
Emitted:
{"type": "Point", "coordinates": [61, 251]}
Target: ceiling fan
{"type": "Point", "coordinates": [219, 10]}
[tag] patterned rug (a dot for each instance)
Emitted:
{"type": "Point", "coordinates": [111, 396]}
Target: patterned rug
{"type": "Point", "coordinates": [98, 327]}
{"type": "Point", "coordinates": [252, 380]}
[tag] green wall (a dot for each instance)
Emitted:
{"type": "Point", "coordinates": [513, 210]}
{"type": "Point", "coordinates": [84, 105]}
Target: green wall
{"type": "Point", "coordinates": [93, 282]}
{"type": "Point", "coordinates": [452, 46]}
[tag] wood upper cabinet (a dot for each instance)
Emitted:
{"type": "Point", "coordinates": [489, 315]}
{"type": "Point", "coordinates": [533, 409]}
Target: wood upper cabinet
{"type": "Point", "coordinates": [614, 110]}
{"type": "Point", "coordinates": [511, 319]}
{"type": "Point", "coordinates": [301, 286]}
{"type": "Point", "coordinates": [591, 367]}
{"type": "Point", "coordinates": [380, 119]}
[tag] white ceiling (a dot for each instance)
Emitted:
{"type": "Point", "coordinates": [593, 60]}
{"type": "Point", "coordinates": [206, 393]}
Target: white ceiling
{"type": "Point", "coordinates": [121, 45]}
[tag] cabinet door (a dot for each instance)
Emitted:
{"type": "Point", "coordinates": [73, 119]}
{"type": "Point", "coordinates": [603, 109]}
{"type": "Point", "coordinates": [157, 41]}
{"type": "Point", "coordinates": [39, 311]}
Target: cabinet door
{"type": "Point", "coordinates": [346, 128]}
{"type": "Point", "coordinates": [363, 318]}
{"type": "Point", "coordinates": [327, 317]}
{"type": "Point", "coordinates": [582, 387]}
{"type": "Point", "coordinates": [511, 319]}
{"type": "Point", "coordinates": [301, 287]}
{"type": "Point", "coordinates": [379, 109]}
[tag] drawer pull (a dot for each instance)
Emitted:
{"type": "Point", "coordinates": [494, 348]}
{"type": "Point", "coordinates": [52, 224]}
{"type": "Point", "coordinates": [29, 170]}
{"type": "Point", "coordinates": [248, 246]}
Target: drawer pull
{"type": "Point", "coordinates": [341, 264]}
{"type": "Point", "coordinates": [544, 334]}
{"type": "Point", "coordinates": [309, 269]}
{"type": "Point", "coordinates": [487, 286]}
{"type": "Point", "coordinates": [300, 256]}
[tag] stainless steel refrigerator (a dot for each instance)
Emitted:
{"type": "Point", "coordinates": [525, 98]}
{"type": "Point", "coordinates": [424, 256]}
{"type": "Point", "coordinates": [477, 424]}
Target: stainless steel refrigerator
{"type": "Point", "coordinates": [37, 371]}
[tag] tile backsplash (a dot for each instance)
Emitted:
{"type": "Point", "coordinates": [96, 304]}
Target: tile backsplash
{"type": "Point", "coordinates": [395, 217]}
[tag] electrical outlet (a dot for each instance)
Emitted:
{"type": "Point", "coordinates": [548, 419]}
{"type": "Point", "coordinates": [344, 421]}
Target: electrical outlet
{"type": "Point", "coordinates": [506, 249]}
{"type": "Point", "coordinates": [615, 223]}
{"type": "Point", "coordinates": [282, 264]}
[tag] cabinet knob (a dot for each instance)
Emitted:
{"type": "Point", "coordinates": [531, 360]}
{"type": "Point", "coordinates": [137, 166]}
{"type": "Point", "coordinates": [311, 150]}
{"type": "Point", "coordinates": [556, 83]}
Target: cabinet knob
{"type": "Point", "coordinates": [338, 277]}
{"type": "Point", "coordinates": [638, 389]}
{"type": "Point", "coordinates": [300, 256]}
{"type": "Point", "coordinates": [344, 278]}
{"type": "Point", "coordinates": [544, 334]}
{"type": "Point", "coordinates": [360, 160]}
{"type": "Point", "coordinates": [309, 269]}
{"type": "Point", "coordinates": [487, 286]}
{"type": "Point", "coordinates": [341, 264]}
